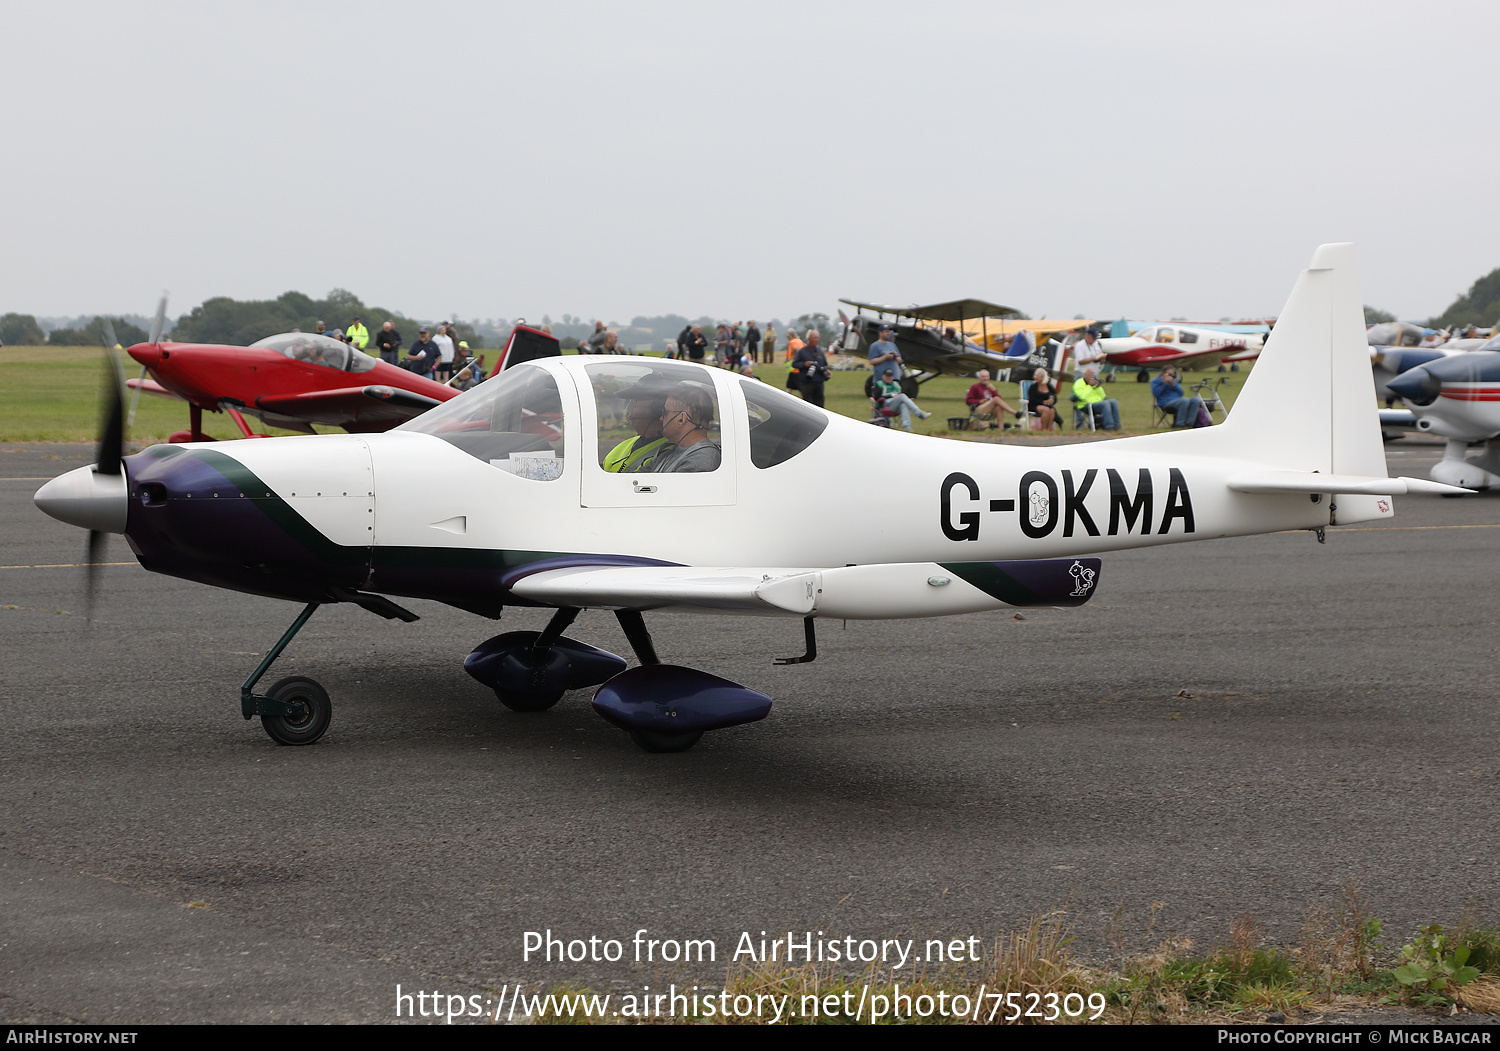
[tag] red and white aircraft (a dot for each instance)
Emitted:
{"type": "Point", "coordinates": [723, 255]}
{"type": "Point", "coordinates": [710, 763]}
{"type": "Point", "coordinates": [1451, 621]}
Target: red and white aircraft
{"type": "Point", "coordinates": [1170, 343]}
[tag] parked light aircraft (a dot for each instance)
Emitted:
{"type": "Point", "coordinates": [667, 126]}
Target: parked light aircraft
{"type": "Point", "coordinates": [296, 379]}
{"type": "Point", "coordinates": [1172, 343]}
{"type": "Point", "coordinates": [1457, 397]}
{"type": "Point", "coordinates": [499, 498]}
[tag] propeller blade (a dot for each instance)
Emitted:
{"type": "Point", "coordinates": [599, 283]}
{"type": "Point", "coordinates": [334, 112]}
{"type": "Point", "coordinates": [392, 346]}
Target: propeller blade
{"type": "Point", "coordinates": [109, 334]}
{"type": "Point", "coordinates": [97, 540]}
{"type": "Point", "coordinates": [135, 398]}
{"type": "Point", "coordinates": [158, 322]}
{"type": "Point", "coordinates": [112, 415]}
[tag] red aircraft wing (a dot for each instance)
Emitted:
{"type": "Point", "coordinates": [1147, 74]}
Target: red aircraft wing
{"type": "Point", "coordinates": [370, 408]}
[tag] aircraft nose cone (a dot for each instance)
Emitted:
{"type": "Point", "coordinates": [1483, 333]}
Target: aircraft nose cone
{"type": "Point", "coordinates": [147, 354]}
{"type": "Point", "coordinates": [86, 499]}
{"type": "Point", "coordinates": [1417, 386]}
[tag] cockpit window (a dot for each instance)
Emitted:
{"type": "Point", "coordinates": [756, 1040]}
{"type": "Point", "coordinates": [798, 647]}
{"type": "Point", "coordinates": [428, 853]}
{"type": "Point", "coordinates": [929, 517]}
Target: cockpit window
{"type": "Point", "coordinates": [1187, 337]}
{"type": "Point", "coordinates": [314, 349]}
{"type": "Point", "coordinates": [647, 408]}
{"type": "Point", "coordinates": [780, 426]}
{"type": "Point", "coordinates": [513, 421]}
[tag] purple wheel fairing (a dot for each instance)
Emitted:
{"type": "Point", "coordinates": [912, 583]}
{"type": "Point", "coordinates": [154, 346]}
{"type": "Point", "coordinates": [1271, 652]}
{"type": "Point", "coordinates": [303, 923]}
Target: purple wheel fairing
{"type": "Point", "coordinates": [667, 699]}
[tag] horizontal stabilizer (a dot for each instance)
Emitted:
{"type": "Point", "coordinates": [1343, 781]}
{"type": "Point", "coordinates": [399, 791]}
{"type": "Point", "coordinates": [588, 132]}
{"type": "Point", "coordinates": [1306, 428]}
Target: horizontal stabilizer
{"type": "Point", "coordinates": [1316, 482]}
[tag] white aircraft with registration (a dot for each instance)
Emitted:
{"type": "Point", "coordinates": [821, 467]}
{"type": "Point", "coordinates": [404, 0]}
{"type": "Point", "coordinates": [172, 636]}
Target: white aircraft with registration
{"type": "Point", "coordinates": [1172, 343]}
{"type": "Point", "coordinates": [499, 498]}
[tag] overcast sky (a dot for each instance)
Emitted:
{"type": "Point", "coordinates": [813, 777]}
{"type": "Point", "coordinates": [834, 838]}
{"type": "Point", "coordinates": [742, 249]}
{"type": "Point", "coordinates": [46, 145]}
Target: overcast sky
{"type": "Point", "coordinates": [744, 160]}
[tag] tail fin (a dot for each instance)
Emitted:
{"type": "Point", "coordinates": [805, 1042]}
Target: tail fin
{"type": "Point", "coordinates": [1309, 402]}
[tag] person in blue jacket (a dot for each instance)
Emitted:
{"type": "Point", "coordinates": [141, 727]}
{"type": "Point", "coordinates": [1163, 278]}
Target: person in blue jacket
{"type": "Point", "coordinates": [1169, 395]}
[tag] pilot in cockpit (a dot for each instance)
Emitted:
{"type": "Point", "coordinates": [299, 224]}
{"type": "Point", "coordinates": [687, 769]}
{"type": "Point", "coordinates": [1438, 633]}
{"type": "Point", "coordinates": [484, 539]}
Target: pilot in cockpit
{"type": "Point", "coordinates": [644, 408]}
{"type": "Point", "coordinates": [688, 415]}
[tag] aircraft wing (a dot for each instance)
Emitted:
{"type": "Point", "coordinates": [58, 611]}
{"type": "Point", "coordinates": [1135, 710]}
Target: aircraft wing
{"type": "Point", "coordinates": [950, 311]}
{"type": "Point", "coordinates": [152, 387]}
{"type": "Point", "coordinates": [873, 592]}
{"type": "Point", "coordinates": [376, 402]}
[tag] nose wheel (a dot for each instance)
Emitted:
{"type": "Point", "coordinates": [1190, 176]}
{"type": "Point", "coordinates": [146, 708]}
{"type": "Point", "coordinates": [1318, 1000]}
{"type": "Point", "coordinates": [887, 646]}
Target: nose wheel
{"type": "Point", "coordinates": [305, 711]}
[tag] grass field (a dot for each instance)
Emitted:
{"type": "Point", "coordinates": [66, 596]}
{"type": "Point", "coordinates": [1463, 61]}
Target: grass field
{"type": "Point", "coordinates": [51, 394]}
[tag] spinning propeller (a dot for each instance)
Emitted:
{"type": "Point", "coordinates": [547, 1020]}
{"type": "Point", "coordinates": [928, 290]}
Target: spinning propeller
{"type": "Point", "coordinates": [111, 448]}
{"type": "Point", "coordinates": [154, 338]}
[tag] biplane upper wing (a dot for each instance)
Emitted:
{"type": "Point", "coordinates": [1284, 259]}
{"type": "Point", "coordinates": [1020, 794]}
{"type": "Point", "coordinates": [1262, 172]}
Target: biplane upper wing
{"type": "Point", "coordinates": [950, 311]}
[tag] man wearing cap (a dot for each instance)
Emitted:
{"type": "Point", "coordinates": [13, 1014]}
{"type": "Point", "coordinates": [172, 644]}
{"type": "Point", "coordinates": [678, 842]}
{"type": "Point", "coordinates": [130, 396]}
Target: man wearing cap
{"type": "Point", "coordinates": [1090, 352]}
{"type": "Point", "coordinates": [424, 354]}
{"type": "Point", "coordinates": [644, 408]}
{"type": "Point", "coordinates": [884, 357]}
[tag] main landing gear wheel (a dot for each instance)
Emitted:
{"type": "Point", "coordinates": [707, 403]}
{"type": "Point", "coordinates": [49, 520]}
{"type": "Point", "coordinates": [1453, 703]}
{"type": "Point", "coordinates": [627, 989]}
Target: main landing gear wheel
{"type": "Point", "coordinates": [660, 742]}
{"type": "Point", "coordinates": [527, 702]}
{"type": "Point", "coordinates": [312, 711]}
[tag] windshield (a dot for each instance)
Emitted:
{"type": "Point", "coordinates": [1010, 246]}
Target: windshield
{"type": "Point", "coordinates": [513, 422]}
{"type": "Point", "coordinates": [313, 349]}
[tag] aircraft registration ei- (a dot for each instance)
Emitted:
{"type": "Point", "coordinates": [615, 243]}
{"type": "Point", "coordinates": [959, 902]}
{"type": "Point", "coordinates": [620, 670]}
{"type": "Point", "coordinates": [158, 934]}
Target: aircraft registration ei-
{"type": "Point", "coordinates": [498, 498]}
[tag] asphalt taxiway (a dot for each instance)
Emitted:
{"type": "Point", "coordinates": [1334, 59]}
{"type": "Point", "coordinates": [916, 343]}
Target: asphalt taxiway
{"type": "Point", "coordinates": [1231, 727]}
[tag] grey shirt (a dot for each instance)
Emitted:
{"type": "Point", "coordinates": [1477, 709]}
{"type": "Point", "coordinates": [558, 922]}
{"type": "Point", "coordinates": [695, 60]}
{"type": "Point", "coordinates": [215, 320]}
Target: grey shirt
{"type": "Point", "coordinates": [701, 456]}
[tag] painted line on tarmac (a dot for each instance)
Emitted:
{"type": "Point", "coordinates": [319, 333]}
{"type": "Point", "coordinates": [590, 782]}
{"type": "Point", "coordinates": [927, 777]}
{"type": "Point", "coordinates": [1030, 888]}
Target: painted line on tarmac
{"type": "Point", "coordinates": [63, 565]}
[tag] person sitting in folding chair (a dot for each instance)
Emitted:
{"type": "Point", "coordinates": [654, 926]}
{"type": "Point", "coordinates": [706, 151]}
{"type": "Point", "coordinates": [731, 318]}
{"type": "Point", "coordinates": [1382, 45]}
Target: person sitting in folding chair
{"type": "Point", "coordinates": [984, 400]}
{"type": "Point", "coordinates": [1089, 394]}
{"type": "Point", "coordinates": [889, 400]}
{"type": "Point", "coordinates": [1041, 401]}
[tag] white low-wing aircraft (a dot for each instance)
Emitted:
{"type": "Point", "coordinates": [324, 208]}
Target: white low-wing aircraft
{"type": "Point", "coordinates": [500, 497]}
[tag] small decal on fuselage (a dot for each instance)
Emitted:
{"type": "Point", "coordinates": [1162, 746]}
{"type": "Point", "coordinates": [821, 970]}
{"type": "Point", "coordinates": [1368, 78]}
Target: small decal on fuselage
{"type": "Point", "coordinates": [1047, 501]}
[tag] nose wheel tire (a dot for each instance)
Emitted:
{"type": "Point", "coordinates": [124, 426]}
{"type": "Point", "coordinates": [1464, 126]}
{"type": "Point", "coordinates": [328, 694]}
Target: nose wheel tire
{"type": "Point", "coordinates": [660, 742]}
{"type": "Point", "coordinates": [311, 711]}
{"type": "Point", "coordinates": [527, 702]}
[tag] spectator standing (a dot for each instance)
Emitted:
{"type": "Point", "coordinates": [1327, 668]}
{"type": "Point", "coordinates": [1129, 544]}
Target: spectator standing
{"type": "Point", "coordinates": [752, 344]}
{"type": "Point", "coordinates": [812, 369]}
{"type": "Point", "coordinates": [885, 358]}
{"type": "Point", "coordinates": [424, 354]}
{"type": "Point", "coordinates": [358, 334]}
{"type": "Point", "coordinates": [389, 343]}
{"type": "Point", "coordinates": [793, 347]}
{"type": "Point", "coordinates": [596, 339]}
{"type": "Point", "coordinates": [443, 370]}
{"type": "Point", "coordinates": [1090, 352]}
{"type": "Point", "coordinates": [696, 345]}
{"type": "Point", "coordinates": [768, 347]}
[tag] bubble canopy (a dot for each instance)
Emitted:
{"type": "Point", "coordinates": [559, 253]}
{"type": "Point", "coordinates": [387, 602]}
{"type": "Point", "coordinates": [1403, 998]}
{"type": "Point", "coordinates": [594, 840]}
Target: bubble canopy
{"type": "Point", "coordinates": [313, 349]}
{"type": "Point", "coordinates": [513, 421]}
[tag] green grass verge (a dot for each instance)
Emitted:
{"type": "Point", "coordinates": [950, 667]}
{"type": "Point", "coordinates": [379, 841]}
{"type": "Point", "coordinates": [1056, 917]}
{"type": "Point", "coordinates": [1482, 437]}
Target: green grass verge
{"type": "Point", "coordinates": [51, 394]}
